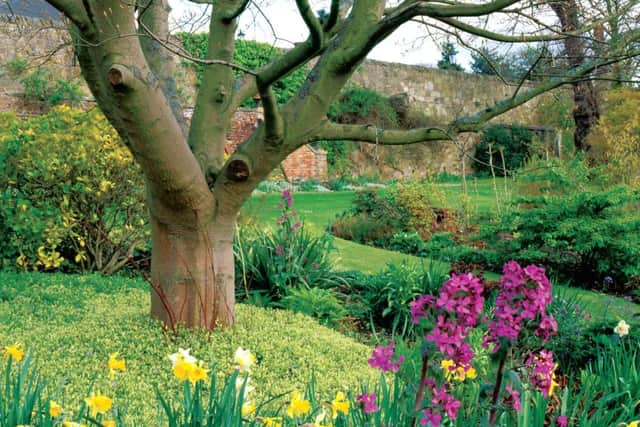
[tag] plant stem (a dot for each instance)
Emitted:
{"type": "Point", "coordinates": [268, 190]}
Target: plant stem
{"type": "Point", "coordinates": [496, 391]}
{"type": "Point", "coordinates": [420, 394]}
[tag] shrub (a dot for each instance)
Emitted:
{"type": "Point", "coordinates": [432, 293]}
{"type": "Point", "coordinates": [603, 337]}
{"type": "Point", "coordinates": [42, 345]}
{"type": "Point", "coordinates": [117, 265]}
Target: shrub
{"type": "Point", "coordinates": [321, 304]}
{"type": "Point", "coordinates": [408, 243]}
{"type": "Point", "coordinates": [583, 238]}
{"type": "Point", "coordinates": [361, 105]}
{"type": "Point", "coordinates": [41, 86]}
{"type": "Point", "coordinates": [72, 195]}
{"type": "Point", "coordinates": [615, 141]}
{"type": "Point", "coordinates": [514, 141]}
{"type": "Point", "coordinates": [274, 262]}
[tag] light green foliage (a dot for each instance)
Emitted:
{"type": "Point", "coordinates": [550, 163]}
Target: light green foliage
{"type": "Point", "coordinates": [16, 66]}
{"type": "Point", "coordinates": [86, 318]}
{"type": "Point", "coordinates": [44, 87]}
{"type": "Point", "coordinates": [249, 54]}
{"type": "Point", "coordinates": [68, 187]}
{"type": "Point", "coordinates": [321, 304]}
{"type": "Point", "coordinates": [615, 141]}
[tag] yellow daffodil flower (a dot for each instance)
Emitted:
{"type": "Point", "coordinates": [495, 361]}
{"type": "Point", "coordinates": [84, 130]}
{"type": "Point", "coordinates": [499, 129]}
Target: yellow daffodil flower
{"type": "Point", "coordinates": [339, 404]}
{"type": "Point", "coordinates": [181, 356]}
{"type": "Point", "coordinates": [98, 404]}
{"type": "Point", "coordinates": [458, 373]}
{"type": "Point", "coordinates": [298, 405]}
{"type": "Point", "coordinates": [635, 423]}
{"type": "Point", "coordinates": [14, 351]}
{"type": "Point", "coordinates": [116, 364]}
{"type": "Point", "coordinates": [197, 373]}
{"type": "Point", "coordinates": [243, 360]}
{"type": "Point", "coordinates": [248, 408]}
{"type": "Point", "coordinates": [55, 410]}
{"type": "Point", "coordinates": [72, 424]}
{"type": "Point", "coordinates": [109, 423]}
{"type": "Point", "coordinates": [271, 422]}
{"type": "Point", "coordinates": [182, 370]}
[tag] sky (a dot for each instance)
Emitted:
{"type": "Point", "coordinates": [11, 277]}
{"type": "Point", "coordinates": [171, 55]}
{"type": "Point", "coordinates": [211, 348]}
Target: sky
{"type": "Point", "coordinates": [406, 45]}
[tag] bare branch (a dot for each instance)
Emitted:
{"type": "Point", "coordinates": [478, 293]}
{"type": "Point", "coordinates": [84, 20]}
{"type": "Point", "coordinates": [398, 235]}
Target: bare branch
{"type": "Point", "coordinates": [310, 19]}
{"type": "Point", "coordinates": [273, 123]}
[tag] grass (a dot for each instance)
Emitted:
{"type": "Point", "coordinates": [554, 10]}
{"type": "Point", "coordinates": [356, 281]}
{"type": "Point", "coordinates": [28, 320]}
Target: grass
{"type": "Point", "coordinates": [72, 323]}
{"type": "Point", "coordinates": [318, 209]}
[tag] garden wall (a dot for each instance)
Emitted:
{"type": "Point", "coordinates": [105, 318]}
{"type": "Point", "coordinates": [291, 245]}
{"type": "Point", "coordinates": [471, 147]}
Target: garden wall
{"type": "Point", "coordinates": [440, 95]}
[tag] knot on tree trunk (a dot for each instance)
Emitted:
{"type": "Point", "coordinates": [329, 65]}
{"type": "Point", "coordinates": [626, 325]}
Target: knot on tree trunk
{"type": "Point", "coordinates": [239, 168]}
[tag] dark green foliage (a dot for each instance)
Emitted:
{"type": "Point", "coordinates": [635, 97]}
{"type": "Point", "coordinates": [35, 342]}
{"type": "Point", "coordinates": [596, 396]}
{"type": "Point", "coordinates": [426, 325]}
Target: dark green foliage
{"type": "Point", "coordinates": [41, 86]}
{"type": "Point", "coordinates": [384, 298]}
{"type": "Point", "coordinates": [321, 304]}
{"type": "Point", "coordinates": [407, 243]}
{"type": "Point", "coordinates": [373, 219]}
{"type": "Point", "coordinates": [361, 105]}
{"type": "Point", "coordinates": [584, 238]}
{"type": "Point", "coordinates": [448, 54]}
{"type": "Point", "coordinates": [514, 141]}
{"type": "Point", "coordinates": [273, 262]}
{"type": "Point", "coordinates": [249, 54]}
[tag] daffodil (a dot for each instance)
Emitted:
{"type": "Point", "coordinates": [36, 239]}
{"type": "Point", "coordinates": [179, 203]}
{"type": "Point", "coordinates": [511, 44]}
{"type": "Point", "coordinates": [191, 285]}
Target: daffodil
{"type": "Point", "coordinates": [339, 404]}
{"type": "Point", "coordinates": [458, 373]}
{"type": "Point", "coordinates": [114, 364]}
{"type": "Point", "coordinates": [72, 424]}
{"type": "Point", "coordinates": [248, 408]}
{"type": "Point", "coordinates": [622, 328]}
{"type": "Point", "coordinates": [98, 404]}
{"type": "Point", "coordinates": [182, 370]}
{"type": "Point", "coordinates": [55, 410]}
{"type": "Point", "coordinates": [109, 423]}
{"type": "Point", "coordinates": [243, 360]}
{"type": "Point", "coordinates": [14, 351]}
{"type": "Point", "coordinates": [181, 356]}
{"type": "Point", "coordinates": [197, 373]}
{"type": "Point", "coordinates": [635, 423]}
{"type": "Point", "coordinates": [247, 388]}
{"type": "Point", "coordinates": [298, 405]}
{"type": "Point", "coordinates": [271, 422]}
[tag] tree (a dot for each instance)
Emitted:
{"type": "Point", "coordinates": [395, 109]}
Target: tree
{"type": "Point", "coordinates": [448, 59]}
{"type": "Point", "coordinates": [586, 110]}
{"type": "Point", "coordinates": [194, 194]}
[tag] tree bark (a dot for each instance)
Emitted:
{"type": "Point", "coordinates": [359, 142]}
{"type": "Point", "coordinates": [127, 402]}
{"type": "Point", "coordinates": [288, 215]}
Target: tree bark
{"type": "Point", "coordinates": [193, 270]}
{"type": "Point", "coordinates": [585, 110]}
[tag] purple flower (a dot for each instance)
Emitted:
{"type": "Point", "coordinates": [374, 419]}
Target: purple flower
{"type": "Point", "coordinates": [430, 418]}
{"type": "Point", "coordinates": [513, 398]}
{"type": "Point", "coordinates": [542, 371]}
{"type": "Point", "coordinates": [295, 226]}
{"type": "Point", "coordinates": [286, 196]}
{"type": "Point", "coordinates": [368, 401]}
{"type": "Point", "coordinates": [418, 307]}
{"type": "Point", "coordinates": [279, 250]}
{"type": "Point", "coordinates": [562, 421]}
{"type": "Point", "coordinates": [381, 358]}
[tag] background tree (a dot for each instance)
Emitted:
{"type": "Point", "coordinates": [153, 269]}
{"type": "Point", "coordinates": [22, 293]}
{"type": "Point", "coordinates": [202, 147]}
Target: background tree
{"type": "Point", "coordinates": [194, 194]}
{"type": "Point", "coordinates": [448, 54]}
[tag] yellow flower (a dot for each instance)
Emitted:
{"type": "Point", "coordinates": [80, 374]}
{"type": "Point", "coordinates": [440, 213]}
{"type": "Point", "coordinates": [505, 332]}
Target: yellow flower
{"type": "Point", "coordinates": [98, 404]}
{"type": "Point", "coordinates": [298, 405]}
{"type": "Point", "coordinates": [458, 373]}
{"type": "Point", "coordinates": [109, 423]}
{"type": "Point", "coordinates": [54, 409]}
{"type": "Point", "coordinates": [339, 404]}
{"type": "Point", "coordinates": [622, 329]}
{"type": "Point", "coordinates": [71, 424]}
{"type": "Point", "coordinates": [116, 364]}
{"type": "Point", "coordinates": [248, 408]}
{"type": "Point", "coordinates": [633, 424]}
{"type": "Point", "coordinates": [243, 360]}
{"type": "Point", "coordinates": [14, 351]}
{"type": "Point", "coordinates": [181, 356]}
{"type": "Point", "coordinates": [197, 373]}
{"type": "Point", "coordinates": [182, 370]}
{"type": "Point", "coordinates": [271, 422]}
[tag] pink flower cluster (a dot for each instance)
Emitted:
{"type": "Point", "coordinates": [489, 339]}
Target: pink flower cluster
{"type": "Point", "coordinates": [460, 303]}
{"type": "Point", "coordinates": [382, 358]}
{"type": "Point", "coordinates": [542, 371]}
{"type": "Point", "coordinates": [368, 401]}
{"type": "Point", "coordinates": [524, 295]}
{"type": "Point", "coordinates": [513, 398]}
{"type": "Point", "coordinates": [441, 402]}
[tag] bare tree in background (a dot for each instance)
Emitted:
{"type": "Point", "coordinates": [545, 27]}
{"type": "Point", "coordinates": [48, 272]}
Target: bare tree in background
{"type": "Point", "coordinates": [194, 193]}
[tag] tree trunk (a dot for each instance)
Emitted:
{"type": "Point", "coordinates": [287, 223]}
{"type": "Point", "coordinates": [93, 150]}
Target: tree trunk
{"type": "Point", "coordinates": [192, 271]}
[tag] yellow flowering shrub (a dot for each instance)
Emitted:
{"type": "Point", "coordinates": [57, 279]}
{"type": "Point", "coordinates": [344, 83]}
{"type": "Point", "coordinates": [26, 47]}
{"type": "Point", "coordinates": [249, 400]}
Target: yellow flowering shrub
{"type": "Point", "coordinates": [615, 141]}
{"type": "Point", "coordinates": [68, 187]}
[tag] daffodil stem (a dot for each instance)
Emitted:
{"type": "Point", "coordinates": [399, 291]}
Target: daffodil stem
{"type": "Point", "coordinates": [496, 390]}
{"type": "Point", "coordinates": [420, 394]}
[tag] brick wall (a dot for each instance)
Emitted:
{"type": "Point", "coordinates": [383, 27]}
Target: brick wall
{"type": "Point", "coordinates": [306, 162]}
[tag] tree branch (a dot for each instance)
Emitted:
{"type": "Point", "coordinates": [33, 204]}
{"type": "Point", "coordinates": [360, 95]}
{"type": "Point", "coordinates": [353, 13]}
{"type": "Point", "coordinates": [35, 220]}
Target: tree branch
{"type": "Point", "coordinates": [316, 32]}
{"type": "Point", "coordinates": [366, 133]}
{"type": "Point", "coordinates": [228, 17]}
{"type": "Point", "coordinates": [334, 12]}
{"type": "Point", "coordinates": [273, 123]}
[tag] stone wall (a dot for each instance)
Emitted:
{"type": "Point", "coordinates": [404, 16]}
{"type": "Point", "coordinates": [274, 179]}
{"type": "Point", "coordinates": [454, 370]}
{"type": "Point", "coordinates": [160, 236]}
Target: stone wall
{"type": "Point", "coordinates": [440, 95]}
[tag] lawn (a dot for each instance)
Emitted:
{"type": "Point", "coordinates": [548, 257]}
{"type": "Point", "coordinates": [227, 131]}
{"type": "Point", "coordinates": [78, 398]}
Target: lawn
{"type": "Point", "coordinates": [318, 209]}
